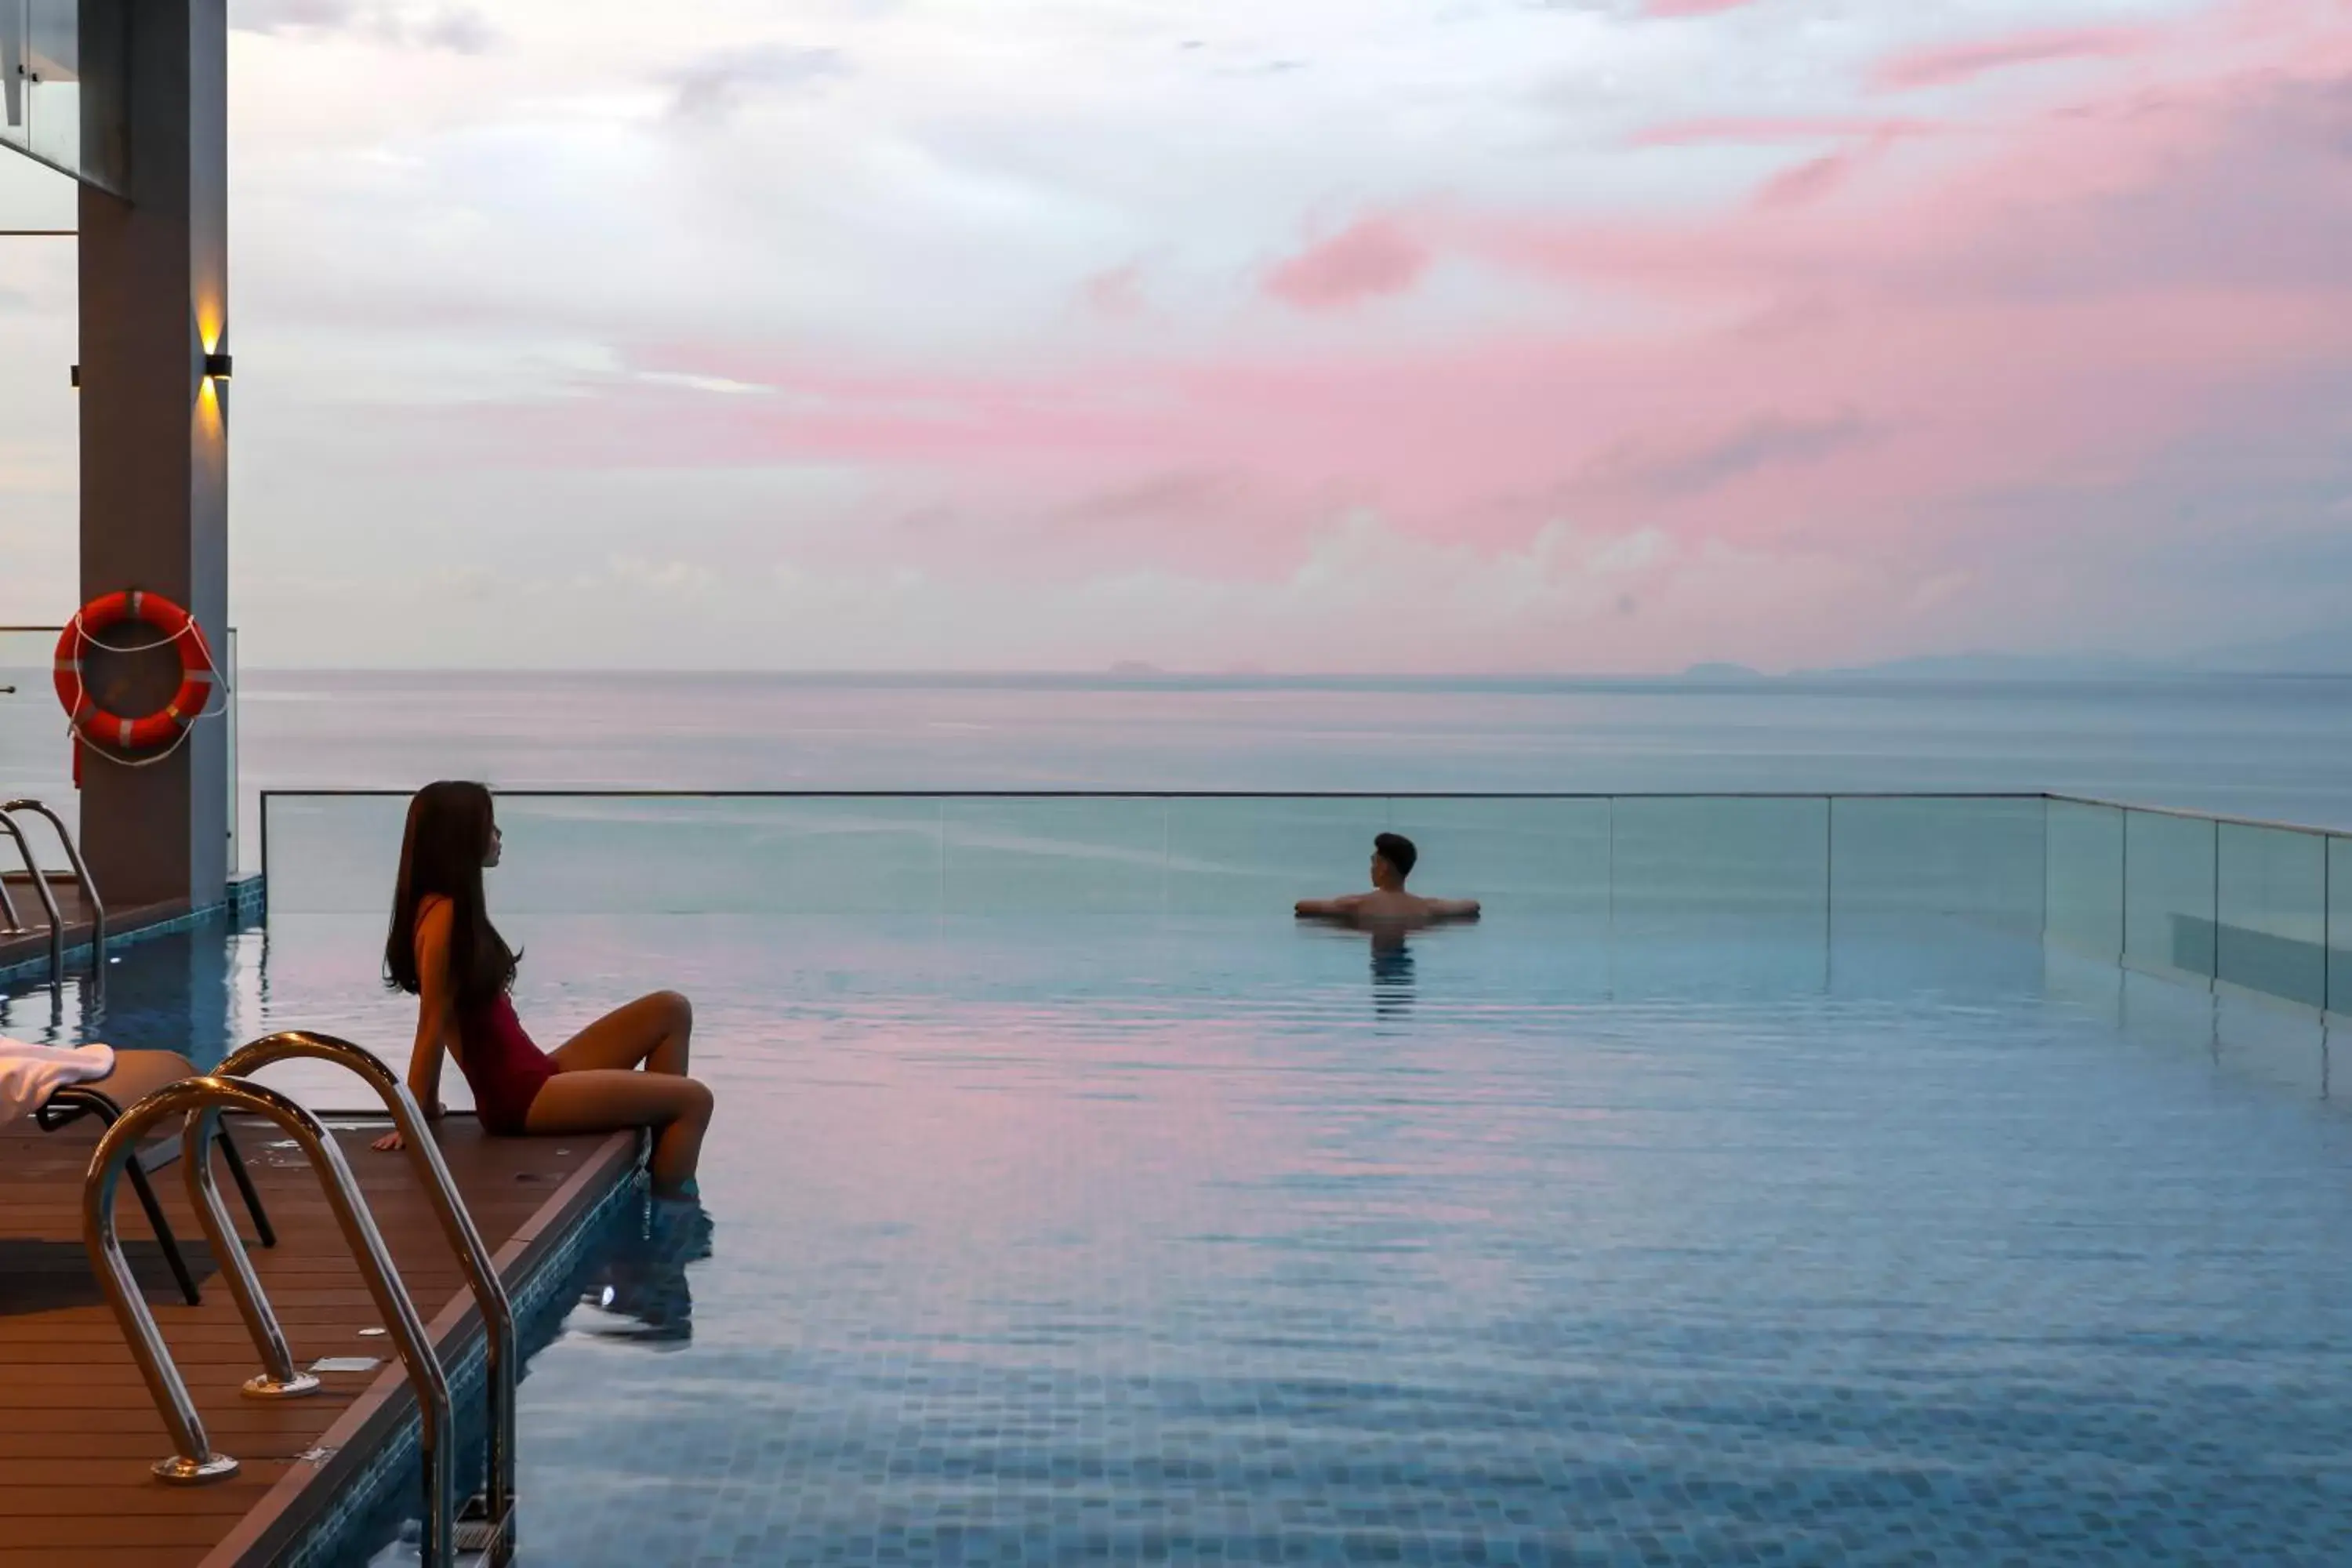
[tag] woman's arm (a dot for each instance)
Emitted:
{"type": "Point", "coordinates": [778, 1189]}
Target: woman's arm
{"type": "Point", "coordinates": [432, 1017]}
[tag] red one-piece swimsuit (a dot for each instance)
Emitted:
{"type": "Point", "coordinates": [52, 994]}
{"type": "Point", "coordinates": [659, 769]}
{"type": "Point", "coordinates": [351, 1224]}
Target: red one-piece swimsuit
{"type": "Point", "coordinates": [504, 1068]}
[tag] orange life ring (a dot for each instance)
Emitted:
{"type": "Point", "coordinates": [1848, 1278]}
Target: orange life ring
{"type": "Point", "coordinates": [164, 726]}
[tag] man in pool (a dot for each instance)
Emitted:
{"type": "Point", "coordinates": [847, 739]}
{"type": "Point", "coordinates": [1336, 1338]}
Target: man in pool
{"type": "Point", "coordinates": [1387, 904]}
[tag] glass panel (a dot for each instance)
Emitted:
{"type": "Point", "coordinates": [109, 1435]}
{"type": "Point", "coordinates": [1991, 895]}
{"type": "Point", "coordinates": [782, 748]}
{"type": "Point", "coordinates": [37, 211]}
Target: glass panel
{"type": "Point", "coordinates": [1245, 856]}
{"type": "Point", "coordinates": [2083, 877]}
{"type": "Point", "coordinates": [36, 758]}
{"type": "Point", "coordinates": [1979, 860]}
{"type": "Point", "coordinates": [61, 80]}
{"type": "Point", "coordinates": [1653, 864]}
{"type": "Point", "coordinates": [2339, 925]}
{"type": "Point", "coordinates": [2272, 932]}
{"type": "Point", "coordinates": [1104, 856]}
{"type": "Point", "coordinates": [1546, 856]}
{"type": "Point", "coordinates": [229, 706]}
{"type": "Point", "coordinates": [700, 855]}
{"type": "Point", "coordinates": [1719, 856]}
{"type": "Point", "coordinates": [622, 855]}
{"type": "Point", "coordinates": [2169, 891]}
{"type": "Point", "coordinates": [51, 82]}
{"type": "Point", "coordinates": [37, 200]}
{"type": "Point", "coordinates": [331, 854]}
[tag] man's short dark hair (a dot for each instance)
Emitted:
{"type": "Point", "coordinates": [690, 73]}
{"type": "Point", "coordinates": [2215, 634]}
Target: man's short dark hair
{"type": "Point", "coordinates": [1397, 851]}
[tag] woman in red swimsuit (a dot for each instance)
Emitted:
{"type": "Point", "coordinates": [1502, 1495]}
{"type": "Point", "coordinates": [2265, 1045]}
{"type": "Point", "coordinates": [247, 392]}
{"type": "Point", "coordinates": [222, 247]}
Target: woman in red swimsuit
{"type": "Point", "coordinates": [442, 951]}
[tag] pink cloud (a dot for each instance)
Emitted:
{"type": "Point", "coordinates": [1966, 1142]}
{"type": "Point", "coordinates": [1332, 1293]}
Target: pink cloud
{"type": "Point", "coordinates": [1667, 8]}
{"type": "Point", "coordinates": [1763, 132]}
{"type": "Point", "coordinates": [1371, 258]}
{"type": "Point", "coordinates": [1812, 180]}
{"type": "Point", "coordinates": [1117, 294]}
{"type": "Point", "coordinates": [1950, 64]}
{"type": "Point", "coordinates": [1986, 360]}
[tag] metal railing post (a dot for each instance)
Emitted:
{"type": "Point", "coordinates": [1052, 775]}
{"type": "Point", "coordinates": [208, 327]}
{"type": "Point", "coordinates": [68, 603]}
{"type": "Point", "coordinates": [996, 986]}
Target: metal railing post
{"type": "Point", "coordinates": [81, 880]}
{"type": "Point", "coordinates": [197, 1461]}
{"type": "Point", "coordinates": [279, 1378]}
{"type": "Point", "coordinates": [495, 1516]}
{"type": "Point", "coordinates": [49, 899]}
{"type": "Point", "coordinates": [193, 1462]}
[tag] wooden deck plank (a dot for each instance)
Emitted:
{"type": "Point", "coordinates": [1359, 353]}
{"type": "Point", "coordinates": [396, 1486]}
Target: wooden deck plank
{"type": "Point", "coordinates": [78, 1428]}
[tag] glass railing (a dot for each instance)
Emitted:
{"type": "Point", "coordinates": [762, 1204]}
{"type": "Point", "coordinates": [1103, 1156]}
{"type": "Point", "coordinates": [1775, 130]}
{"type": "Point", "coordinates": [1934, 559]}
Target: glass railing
{"type": "Point", "coordinates": [36, 751]}
{"type": "Point", "coordinates": [2258, 907]}
{"type": "Point", "coordinates": [62, 73]}
{"type": "Point", "coordinates": [1631, 860]}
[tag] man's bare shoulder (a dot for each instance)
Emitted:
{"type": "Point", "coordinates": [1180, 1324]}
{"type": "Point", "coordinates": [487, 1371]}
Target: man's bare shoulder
{"type": "Point", "coordinates": [1341, 908]}
{"type": "Point", "coordinates": [1386, 906]}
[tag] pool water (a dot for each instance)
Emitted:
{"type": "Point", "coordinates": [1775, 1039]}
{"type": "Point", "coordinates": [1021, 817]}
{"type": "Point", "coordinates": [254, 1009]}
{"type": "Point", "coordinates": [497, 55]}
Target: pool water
{"type": "Point", "coordinates": [1218, 1239]}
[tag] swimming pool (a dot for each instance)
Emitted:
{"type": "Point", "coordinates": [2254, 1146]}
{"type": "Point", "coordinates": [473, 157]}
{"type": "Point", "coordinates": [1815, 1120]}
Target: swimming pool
{"type": "Point", "coordinates": [1188, 1233]}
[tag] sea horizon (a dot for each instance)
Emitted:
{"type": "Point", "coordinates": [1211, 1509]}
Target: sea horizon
{"type": "Point", "coordinates": [1702, 679]}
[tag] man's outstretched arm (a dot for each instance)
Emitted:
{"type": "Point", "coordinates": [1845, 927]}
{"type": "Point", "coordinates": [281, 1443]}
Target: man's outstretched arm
{"type": "Point", "coordinates": [1328, 908]}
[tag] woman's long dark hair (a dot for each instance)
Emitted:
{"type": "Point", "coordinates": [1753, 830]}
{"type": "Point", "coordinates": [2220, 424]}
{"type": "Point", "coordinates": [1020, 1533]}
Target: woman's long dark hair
{"type": "Point", "coordinates": [448, 837]}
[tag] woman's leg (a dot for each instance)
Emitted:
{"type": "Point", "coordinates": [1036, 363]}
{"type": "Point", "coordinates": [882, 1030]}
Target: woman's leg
{"type": "Point", "coordinates": [652, 1029]}
{"type": "Point", "coordinates": [606, 1099]}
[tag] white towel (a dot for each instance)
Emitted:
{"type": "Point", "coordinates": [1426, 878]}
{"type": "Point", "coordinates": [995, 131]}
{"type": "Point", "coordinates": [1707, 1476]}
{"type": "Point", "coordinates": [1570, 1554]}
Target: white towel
{"type": "Point", "coordinates": [29, 1074]}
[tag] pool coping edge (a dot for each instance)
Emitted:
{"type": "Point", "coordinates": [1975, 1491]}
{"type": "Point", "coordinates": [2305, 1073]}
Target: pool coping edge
{"type": "Point", "coordinates": [312, 1496]}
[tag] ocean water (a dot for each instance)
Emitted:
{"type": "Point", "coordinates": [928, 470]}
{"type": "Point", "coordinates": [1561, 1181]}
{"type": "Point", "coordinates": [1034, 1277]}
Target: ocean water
{"type": "Point", "coordinates": [2279, 748]}
{"type": "Point", "coordinates": [2274, 748]}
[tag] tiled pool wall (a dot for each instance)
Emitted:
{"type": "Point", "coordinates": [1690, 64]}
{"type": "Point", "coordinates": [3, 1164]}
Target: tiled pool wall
{"type": "Point", "coordinates": [376, 1504]}
{"type": "Point", "coordinates": [243, 908]}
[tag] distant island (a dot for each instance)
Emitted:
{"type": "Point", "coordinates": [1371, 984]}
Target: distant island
{"type": "Point", "coordinates": [1719, 671]}
{"type": "Point", "coordinates": [1135, 666]}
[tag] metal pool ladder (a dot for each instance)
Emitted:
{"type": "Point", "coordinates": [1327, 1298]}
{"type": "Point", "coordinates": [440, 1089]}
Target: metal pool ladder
{"type": "Point", "coordinates": [49, 903]}
{"type": "Point", "coordinates": [486, 1522]}
{"type": "Point", "coordinates": [487, 1536]}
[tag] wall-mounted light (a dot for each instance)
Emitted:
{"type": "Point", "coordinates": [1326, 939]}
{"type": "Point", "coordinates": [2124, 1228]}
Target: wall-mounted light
{"type": "Point", "coordinates": [217, 366]}
{"type": "Point", "coordinates": [77, 378]}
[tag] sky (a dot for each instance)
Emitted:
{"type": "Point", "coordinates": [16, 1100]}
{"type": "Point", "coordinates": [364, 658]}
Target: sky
{"type": "Point", "coordinates": [1337, 335]}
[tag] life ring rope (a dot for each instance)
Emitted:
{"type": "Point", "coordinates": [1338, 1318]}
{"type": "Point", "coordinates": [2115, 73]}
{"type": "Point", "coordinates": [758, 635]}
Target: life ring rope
{"type": "Point", "coordinates": [169, 727]}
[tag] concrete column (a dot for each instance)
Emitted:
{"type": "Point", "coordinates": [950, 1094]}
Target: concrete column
{"type": "Point", "coordinates": [154, 442]}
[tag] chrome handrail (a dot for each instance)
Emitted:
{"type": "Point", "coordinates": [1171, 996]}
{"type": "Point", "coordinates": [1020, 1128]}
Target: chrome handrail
{"type": "Point", "coordinates": [48, 901]}
{"type": "Point", "coordinates": [200, 1101]}
{"type": "Point", "coordinates": [89, 888]}
{"type": "Point", "coordinates": [481, 1270]}
{"type": "Point", "coordinates": [279, 1378]}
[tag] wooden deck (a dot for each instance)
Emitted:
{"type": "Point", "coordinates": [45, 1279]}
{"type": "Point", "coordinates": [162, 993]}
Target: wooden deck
{"type": "Point", "coordinates": [77, 1429]}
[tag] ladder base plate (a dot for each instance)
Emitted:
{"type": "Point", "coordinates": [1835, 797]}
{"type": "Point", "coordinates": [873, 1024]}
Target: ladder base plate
{"type": "Point", "coordinates": [484, 1541]}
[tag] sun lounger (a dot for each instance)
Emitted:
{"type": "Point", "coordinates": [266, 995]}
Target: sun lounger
{"type": "Point", "coordinates": [136, 1075]}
